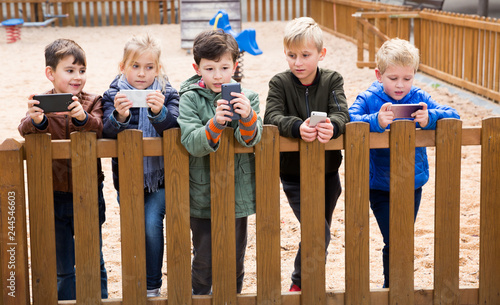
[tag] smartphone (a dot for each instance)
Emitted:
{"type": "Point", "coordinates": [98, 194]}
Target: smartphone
{"type": "Point", "coordinates": [404, 111]}
{"type": "Point", "coordinates": [226, 95]}
{"type": "Point", "coordinates": [137, 97]}
{"type": "Point", "coordinates": [317, 117]}
{"type": "Point", "coordinates": [57, 102]}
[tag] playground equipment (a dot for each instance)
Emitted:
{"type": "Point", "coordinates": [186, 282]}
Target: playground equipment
{"type": "Point", "coordinates": [13, 26]}
{"type": "Point", "coordinates": [245, 39]}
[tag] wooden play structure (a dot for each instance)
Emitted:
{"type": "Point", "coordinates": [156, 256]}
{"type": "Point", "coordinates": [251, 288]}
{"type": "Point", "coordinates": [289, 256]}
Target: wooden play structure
{"type": "Point", "coordinates": [34, 157]}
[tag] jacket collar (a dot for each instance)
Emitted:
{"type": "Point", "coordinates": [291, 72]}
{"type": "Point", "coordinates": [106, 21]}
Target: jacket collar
{"type": "Point", "coordinates": [315, 81]}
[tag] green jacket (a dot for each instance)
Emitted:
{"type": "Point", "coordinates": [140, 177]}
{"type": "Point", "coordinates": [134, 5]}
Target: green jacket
{"type": "Point", "coordinates": [289, 104]}
{"type": "Point", "coordinates": [196, 108]}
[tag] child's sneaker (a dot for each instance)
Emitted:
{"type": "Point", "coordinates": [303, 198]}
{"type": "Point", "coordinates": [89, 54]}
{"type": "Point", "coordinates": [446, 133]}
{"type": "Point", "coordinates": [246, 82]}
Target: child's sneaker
{"type": "Point", "coordinates": [294, 288]}
{"type": "Point", "coordinates": [152, 293]}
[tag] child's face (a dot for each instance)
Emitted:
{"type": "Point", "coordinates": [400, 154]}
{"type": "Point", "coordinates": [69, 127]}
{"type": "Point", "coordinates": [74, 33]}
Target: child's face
{"type": "Point", "coordinates": [216, 73]}
{"type": "Point", "coordinates": [396, 80]}
{"type": "Point", "coordinates": [303, 61]}
{"type": "Point", "coordinates": [141, 73]}
{"type": "Point", "coordinates": [67, 77]}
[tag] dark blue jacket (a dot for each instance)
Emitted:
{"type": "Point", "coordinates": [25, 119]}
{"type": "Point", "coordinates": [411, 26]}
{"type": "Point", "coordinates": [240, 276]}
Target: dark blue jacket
{"type": "Point", "coordinates": [366, 108]}
{"type": "Point", "coordinates": [166, 119]}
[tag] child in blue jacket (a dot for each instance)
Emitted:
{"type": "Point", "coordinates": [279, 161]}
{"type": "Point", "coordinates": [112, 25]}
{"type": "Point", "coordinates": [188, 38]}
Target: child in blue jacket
{"type": "Point", "coordinates": [397, 62]}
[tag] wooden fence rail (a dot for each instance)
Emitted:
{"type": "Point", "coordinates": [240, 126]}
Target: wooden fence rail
{"type": "Point", "coordinates": [83, 149]}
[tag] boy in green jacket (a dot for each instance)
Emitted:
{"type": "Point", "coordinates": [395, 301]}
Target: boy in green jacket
{"type": "Point", "coordinates": [202, 118]}
{"type": "Point", "coordinates": [293, 95]}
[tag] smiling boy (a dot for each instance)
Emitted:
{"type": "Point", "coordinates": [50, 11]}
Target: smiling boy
{"type": "Point", "coordinates": [202, 118]}
{"type": "Point", "coordinates": [293, 95]}
{"type": "Point", "coordinates": [66, 69]}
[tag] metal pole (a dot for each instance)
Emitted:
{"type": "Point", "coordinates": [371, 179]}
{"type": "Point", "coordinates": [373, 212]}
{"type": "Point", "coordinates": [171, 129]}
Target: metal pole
{"type": "Point", "coordinates": [482, 8]}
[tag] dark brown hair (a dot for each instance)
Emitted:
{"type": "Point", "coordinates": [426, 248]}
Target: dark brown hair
{"type": "Point", "coordinates": [60, 48]}
{"type": "Point", "coordinates": [212, 45]}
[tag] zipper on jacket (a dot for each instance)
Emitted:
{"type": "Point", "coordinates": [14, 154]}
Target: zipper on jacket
{"type": "Point", "coordinates": [307, 102]}
{"type": "Point", "coordinates": [336, 101]}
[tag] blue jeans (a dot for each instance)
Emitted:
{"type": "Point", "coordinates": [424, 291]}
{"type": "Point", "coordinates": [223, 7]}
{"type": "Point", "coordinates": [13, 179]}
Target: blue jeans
{"type": "Point", "coordinates": [201, 273]}
{"type": "Point", "coordinates": [65, 245]}
{"type": "Point", "coordinates": [333, 189]}
{"type": "Point", "coordinates": [154, 212]}
{"type": "Point", "coordinates": [379, 203]}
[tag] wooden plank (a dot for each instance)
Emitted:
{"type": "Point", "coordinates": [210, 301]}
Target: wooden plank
{"type": "Point", "coordinates": [279, 10]}
{"type": "Point", "coordinates": [401, 227]}
{"type": "Point", "coordinates": [86, 217]}
{"type": "Point", "coordinates": [287, 13]}
{"type": "Point", "coordinates": [360, 36]}
{"type": "Point", "coordinates": [267, 184]}
{"type": "Point", "coordinates": [87, 14]}
{"type": "Point", "coordinates": [489, 259]}
{"type": "Point", "coordinates": [13, 230]}
{"type": "Point", "coordinates": [223, 221]}
{"type": "Point", "coordinates": [312, 214]}
{"type": "Point", "coordinates": [177, 218]}
{"type": "Point", "coordinates": [42, 227]}
{"type": "Point", "coordinates": [96, 14]}
{"type": "Point", "coordinates": [131, 173]}
{"type": "Point", "coordinates": [357, 185]}
{"type": "Point", "coordinates": [496, 87]}
{"type": "Point", "coordinates": [480, 64]}
{"type": "Point", "coordinates": [271, 10]}
{"type": "Point", "coordinates": [447, 211]}
{"type": "Point", "coordinates": [495, 95]}
{"type": "Point", "coordinates": [249, 11]}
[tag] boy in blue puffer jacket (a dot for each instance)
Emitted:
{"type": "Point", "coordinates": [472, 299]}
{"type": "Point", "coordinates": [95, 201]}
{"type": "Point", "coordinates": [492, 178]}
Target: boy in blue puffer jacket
{"type": "Point", "coordinates": [397, 62]}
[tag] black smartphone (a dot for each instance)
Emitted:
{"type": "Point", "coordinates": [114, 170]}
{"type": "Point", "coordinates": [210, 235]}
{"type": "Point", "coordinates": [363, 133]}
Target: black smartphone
{"type": "Point", "coordinates": [404, 111]}
{"type": "Point", "coordinates": [58, 102]}
{"type": "Point", "coordinates": [226, 95]}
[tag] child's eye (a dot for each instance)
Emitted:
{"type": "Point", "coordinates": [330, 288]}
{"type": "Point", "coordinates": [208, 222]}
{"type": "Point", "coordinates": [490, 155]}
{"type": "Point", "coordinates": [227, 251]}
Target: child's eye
{"type": "Point", "coordinates": [69, 70]}
{"type": "Point", "coordinates": [83, 71]}
{"type": "Point", "coordinates": [150, 68]}
{"type": "Point", "coordinates": [135, 66]}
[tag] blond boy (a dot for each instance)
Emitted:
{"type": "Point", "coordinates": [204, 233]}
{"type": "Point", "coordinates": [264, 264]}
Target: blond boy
{"type": "Point", "coordinates": [397, 62]}
{"type": "Point", "coordinates": [293, 95]}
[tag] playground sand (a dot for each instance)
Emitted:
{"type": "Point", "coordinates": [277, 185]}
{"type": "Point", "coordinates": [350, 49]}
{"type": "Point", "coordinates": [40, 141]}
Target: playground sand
{"type": "Point", "coordinates": [22, 73]}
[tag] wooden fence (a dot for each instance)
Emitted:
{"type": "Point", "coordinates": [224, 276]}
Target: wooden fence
{"type": "Point", "coordinates": [138, 12]}
{"type": "Point", "coordinates": [463, 50]}
{"type": "Point", "coordinates": [17, 261]}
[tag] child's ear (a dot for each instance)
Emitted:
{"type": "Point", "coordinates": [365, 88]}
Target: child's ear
{"type": "Point", "coordinates": [235, 66]}
{"type": "Point", "coordinates": [197, 69]}
{"type": "Point", "coordinates": [378, 75]}
{"type": "Point", "coordinates": [322, 54]}
{"type": "Point", "coordinates": [49, 73]}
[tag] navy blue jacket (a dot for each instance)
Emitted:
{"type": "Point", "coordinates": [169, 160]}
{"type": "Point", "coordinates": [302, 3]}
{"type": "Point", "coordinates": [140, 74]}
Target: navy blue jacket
{"type": "Point", "coordinates": [166, 119]}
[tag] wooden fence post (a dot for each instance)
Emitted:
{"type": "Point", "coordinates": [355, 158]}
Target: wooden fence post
{"type": "Point", "coordinates": [401, 227]}
{"type": "Point", "coordinates": [267, 184]}
{"type": "Point", "coordinates": [131, 175]}
{"type": "Point", "coordinates": [312, 215]}
{"type": "Point", "coordinates": [357, 226]}
{"type": "Point", "coordinates": [42, 227]}
{"type": "Point", "coordinates": [447, 215]}
{"type": "Point", "coordinates": [223, 220]}
{"type": "Point", "coordinates": [86, 217]}
{"type": "Point", "coordinates": [177, 218]}
{"type": "Point", "coordinates": [13, 230]}
{"type": "Point", "coordinates": [489, 248]}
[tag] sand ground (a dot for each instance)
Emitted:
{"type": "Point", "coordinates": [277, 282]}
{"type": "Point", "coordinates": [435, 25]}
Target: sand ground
{"type": "Point", "coordinates": [22, 73]}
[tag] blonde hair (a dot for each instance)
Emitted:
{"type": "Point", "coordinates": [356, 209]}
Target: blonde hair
{"type": "Point", "coordinates": [300, 31]}
{"type": "Point", "coordinates": [138, 45]}
{"type": "Point", "coordinates": [397, 52]}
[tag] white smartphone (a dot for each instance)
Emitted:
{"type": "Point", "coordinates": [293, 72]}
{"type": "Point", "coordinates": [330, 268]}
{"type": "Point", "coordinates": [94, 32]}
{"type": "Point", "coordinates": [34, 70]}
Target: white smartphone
{"type": "Point", "coordinates": [138, 97]}
{"type": "Point", "coordinates": [317, 117]}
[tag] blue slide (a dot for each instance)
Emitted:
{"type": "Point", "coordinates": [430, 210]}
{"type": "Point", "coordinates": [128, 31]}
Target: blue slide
{"type": "Point", "coordinates": [245, 39]}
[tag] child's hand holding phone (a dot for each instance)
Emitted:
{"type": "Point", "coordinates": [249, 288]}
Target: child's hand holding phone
{"type": "Point", "coordinates": [421, 116]}
{"type": "Point", "coordinates": [122, 105]}
{"type": "Point", "coordinates": [155, 101]}
{"type": "Point", "coordinates": [385, 115]}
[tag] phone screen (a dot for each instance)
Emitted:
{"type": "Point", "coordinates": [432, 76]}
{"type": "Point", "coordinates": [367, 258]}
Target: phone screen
{"type": "Point", "coordinates": [226, 95]}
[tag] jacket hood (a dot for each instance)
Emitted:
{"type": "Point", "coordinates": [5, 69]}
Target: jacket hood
{"type": "Point", "coordinates": [191, 84]}
{"type": "Point", "coordinates": [377, 89]}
